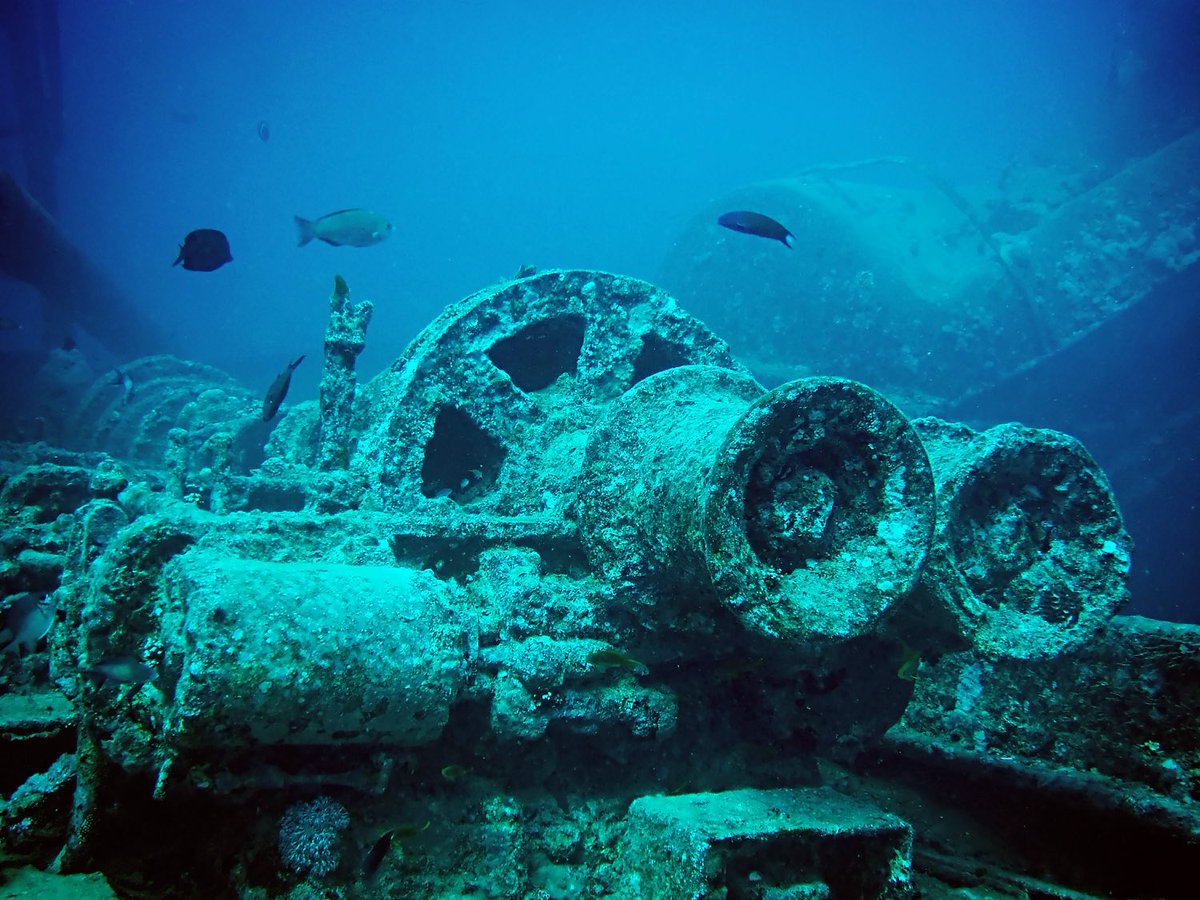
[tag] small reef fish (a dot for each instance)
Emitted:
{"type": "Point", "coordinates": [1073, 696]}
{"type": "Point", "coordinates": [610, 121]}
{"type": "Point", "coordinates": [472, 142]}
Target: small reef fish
{"type": "Point", "coordinates": [120, 670]}
{"type": "Point", "coordinates": [122, 380]}
{"type": "Point", "coordinates": [615, 659]}
{"type": "Point", "coordinates": [278, 390]}
{"type": "Point", "coordinates": [7, 324]}
{"type": "Point", "coordinates": [27, 619]}
{"type": "Point", "coordinates": [910, 663]}
{"type": "Point", "coordinates": [204, 250]}
{"type": "Point", "coordinates": [345, 228]}
{"type": "Point", "coordinates": [376, 853]}
{"type": "Point", "coordinates": [757, 224]}
{"type": "Point", "coordinates": [408, 830]}
{"type": "Point", "coordinates": [264, 131]}
{"type": "Point", "coordinates": [454, 771]}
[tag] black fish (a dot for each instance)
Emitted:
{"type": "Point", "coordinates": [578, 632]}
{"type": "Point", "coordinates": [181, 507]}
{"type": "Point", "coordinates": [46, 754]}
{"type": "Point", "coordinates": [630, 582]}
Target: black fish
{"type": "Point", "coordinates": [375, 854]}
{"type": "Point", "coordinates": [204, 250]}
{"type": "Point", "coordinates": [278, 390]}
{"type": "Point", "coordinates": [757, 224]}
{"type": "Point", "coordinates": [69, 343]}
{"type": "Point", "coordinates": [264, 131]}
{"type": "Point", "coordinates": [7, 324]}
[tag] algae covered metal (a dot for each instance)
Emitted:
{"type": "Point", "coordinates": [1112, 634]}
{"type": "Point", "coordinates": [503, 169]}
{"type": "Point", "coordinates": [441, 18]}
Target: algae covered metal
{"type": "Point", "coordinates": [807, 510]}
{"type": "Point", "coordinates": [533, 603]}
{"type": "Point", "coordinates": [491, 405]}
{"type": "Point", "coordinates": [1030, 557]}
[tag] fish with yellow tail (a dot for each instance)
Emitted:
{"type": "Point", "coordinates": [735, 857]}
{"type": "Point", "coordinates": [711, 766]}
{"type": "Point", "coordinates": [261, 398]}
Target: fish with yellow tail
{"type": "Point", "coordinates": [910, 663]}
{"type": "Point", "coordinates": [610, 658]}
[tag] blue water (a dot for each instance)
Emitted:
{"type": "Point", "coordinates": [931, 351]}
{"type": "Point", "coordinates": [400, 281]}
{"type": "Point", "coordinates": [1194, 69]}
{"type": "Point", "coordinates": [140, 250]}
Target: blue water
{"type": "Point", "coordinates": [499, 134]}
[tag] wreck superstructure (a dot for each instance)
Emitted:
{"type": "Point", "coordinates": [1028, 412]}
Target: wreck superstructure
{"type": "Point", "coordinates": [564, 525]}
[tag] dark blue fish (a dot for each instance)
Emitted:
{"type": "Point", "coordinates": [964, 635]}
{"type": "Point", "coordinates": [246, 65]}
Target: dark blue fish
{"type": "Point", "coordinates": [757, 224]}
{"type": "Point", "coordinates": [264, 131]}
{"type": "Point", "coordinates": [278, 390]}
{"type": "Point", "coordinates": [204, 250]}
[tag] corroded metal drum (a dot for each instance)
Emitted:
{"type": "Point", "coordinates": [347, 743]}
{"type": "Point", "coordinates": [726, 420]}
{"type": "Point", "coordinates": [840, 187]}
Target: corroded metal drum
{"type": "Point", "coordinates": [1031, 557]}
{"type": "Point", "coordinates": [821, 511]}
{"type": "Point", "coordinates": [310, 654]}
{"type": "Point", "coordinates": [808, 510]}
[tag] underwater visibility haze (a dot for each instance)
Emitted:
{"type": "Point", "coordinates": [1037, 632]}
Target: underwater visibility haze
{"type": "Point", "coordinates": [741, 449]}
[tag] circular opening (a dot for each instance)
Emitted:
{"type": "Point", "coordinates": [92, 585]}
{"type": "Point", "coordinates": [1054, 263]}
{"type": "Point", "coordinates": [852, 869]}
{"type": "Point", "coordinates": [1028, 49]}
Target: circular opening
{"type": "Point", "coordinates": [1018, 537]}
{"type": "Point", "coordinates": [806, 499]}
{"type": "Point", "coordinates": [821, 511]}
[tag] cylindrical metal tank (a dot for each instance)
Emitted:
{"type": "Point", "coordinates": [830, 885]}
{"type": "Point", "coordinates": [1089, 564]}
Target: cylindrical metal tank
{"type": "Point", "coordinates": [309, 654]}
{"type": "Point", "coordinates": [646, 474]}
{"type": "Point", "coordinates": [1030, 556]}
{"type": "Point", "coordinates": [807, 510]}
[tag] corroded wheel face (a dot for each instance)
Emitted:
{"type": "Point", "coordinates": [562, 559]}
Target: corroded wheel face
{"type": "Point", "coordinates": [129, 412]}
{"type": "Point", "coordinates": [1038, 555]}
{"type": "Point", "coordinates": [822, 511]}
{"type": "Point", "coordinates": [490, 407]}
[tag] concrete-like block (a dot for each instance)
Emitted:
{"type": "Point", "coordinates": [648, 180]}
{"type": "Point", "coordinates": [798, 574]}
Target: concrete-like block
{"type": "Point", "coordinates": [788, 842]}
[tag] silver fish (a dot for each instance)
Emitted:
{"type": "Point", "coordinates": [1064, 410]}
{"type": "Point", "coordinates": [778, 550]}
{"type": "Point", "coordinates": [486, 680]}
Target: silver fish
{"type": "Point", "coordinates": [27, 618]}
{"type": "Point", "coordinates": [125, 383]}
{"type": "Point", "coordinates": [345, 228]}
{"type": "Point", "coordinates": [121, 670]}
